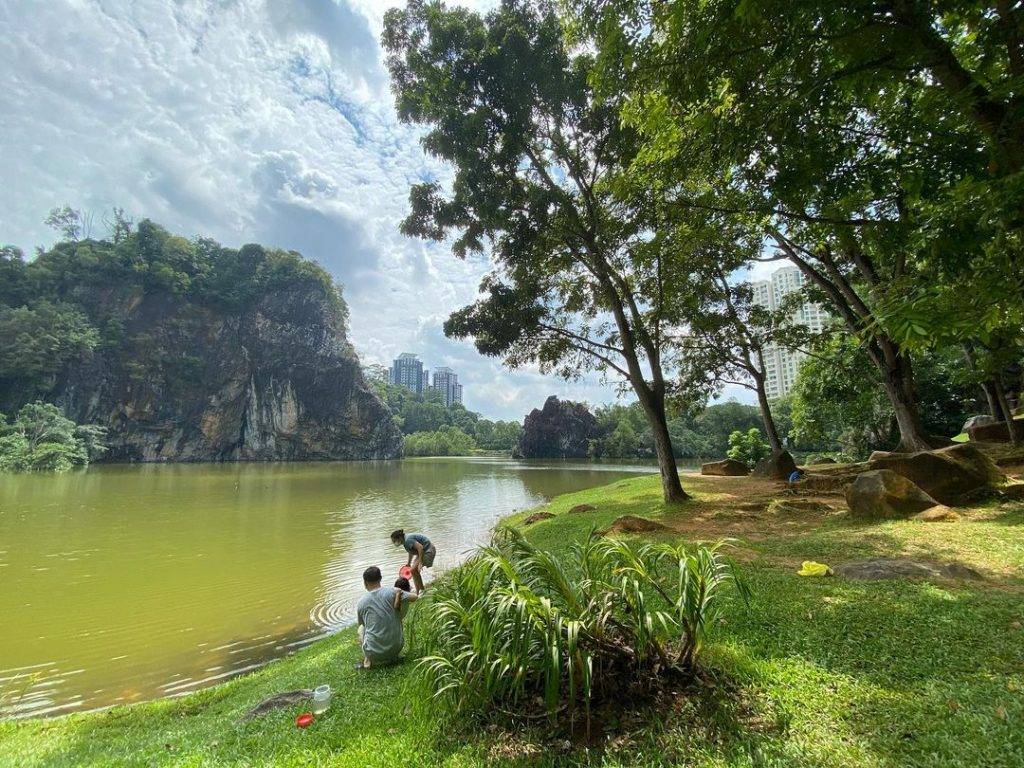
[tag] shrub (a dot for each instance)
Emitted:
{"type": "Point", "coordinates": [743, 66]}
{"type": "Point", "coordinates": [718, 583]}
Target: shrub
{"type": "Point", "coordinates": [41, 438]}
{"type": "Point", "coordinates": [749, 448]}
{"type": "Point", "coordinates": [516, 622]}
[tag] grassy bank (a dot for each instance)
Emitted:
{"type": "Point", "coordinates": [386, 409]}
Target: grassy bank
{"type": "Point", "coordinates": [816, 672]}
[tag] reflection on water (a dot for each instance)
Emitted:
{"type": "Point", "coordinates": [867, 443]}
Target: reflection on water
{"type": "Point", "coordinates": [125, 583]}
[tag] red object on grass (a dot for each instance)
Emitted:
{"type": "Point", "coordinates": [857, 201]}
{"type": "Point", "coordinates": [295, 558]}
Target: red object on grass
{"type": "Point", "coordinates": [405, 572]}
{"type": "Point", "coordinates": [304, 720]}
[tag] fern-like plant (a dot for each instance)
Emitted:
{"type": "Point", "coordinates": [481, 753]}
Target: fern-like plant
{"type": "Point", "coordinates": [517, 624]}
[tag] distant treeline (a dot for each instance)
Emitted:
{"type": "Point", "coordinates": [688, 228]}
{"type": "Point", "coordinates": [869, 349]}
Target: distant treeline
{"type": "Point", "coordinates": [430, 428]}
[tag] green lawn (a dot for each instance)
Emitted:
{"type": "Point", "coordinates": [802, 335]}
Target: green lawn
{"type": "Point", "coordinates": [816, 672]}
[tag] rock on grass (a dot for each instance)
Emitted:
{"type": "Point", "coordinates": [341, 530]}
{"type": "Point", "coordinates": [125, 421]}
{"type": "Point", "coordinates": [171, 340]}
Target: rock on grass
{"type": "Point", "coordinates": [536, 517]}
{"type": "Point", "coordinates": [905, 568]}
{"type": "Point", "coordinates": [579, 508]}
{"type": "Point", "coordinates": [882, 494]}
{"type": "Point", "coordinates": [634, 524]}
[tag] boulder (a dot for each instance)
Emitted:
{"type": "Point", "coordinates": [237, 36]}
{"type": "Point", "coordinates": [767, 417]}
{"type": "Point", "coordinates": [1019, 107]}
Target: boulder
{"type": "Point", "coordinates": [945, 474]}
{"type": "Point", "coordinates": [978, 421]}
{"type": "Point", "coordinates": [899, 567]}
{"type": "Point", "coordinates": [937, 514]}
{"type": "Point", "coordinates": [882, 494]}
{"type": "Point", "coordinates": [990, 433]}
{"type": "Point", "coordinates": [726, 467]}
{"type": "Point", "coordinates": [1013, 492]}
{"type": "Point", "coordinates": [875, 455]}
{"type": "Point", "coordinates": [824, 483]}
{"type": "Point", "coordinates": [778, 466]}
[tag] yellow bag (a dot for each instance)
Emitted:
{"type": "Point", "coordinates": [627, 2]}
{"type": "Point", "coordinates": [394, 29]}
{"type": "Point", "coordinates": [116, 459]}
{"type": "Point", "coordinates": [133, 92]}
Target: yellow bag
{"type": "Point", "coordinates": [811, 568]}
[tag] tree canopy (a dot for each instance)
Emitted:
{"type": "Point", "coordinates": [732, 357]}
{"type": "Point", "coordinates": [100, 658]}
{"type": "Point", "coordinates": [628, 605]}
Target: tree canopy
{"type": "Point", "coordinates": [577, 281]}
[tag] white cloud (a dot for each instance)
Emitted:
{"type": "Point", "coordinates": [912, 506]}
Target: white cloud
{"type": "Point", "coordinates": [245, 120]}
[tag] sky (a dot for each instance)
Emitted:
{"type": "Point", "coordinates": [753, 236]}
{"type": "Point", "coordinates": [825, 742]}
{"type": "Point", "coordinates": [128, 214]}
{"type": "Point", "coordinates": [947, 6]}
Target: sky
{"type": "Point", "coordinates": [266, 121]}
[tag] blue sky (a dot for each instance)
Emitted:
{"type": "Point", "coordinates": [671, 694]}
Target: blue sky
{"type": "Point", "coordinates": [245, 120]}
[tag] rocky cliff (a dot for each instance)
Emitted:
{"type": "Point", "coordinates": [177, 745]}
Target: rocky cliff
{"type": "Point", "coordinates": [278, 381]}
{"type": "Point", "coordinates": [199, 369]}
{"type": "Point", "coordinates": [560, 430]}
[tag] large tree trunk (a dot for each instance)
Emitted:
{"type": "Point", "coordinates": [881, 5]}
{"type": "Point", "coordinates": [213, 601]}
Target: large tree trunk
{"type": "Point", "coordinates": [893, 365]}
{"type": "Point", "coordinates": [1007, 413]}
{"type": "Point", "coordinates": [766, 415]}
{"type": "Point", "coordinates": [654, 409]}
{"type": "Point", "coordinates": [988, 386]}
{"type": "Point", "coordinates": [898, 382]}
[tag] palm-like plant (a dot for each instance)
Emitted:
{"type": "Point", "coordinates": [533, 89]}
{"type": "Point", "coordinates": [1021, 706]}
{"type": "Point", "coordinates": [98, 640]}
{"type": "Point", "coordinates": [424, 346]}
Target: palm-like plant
{"type": "Point", "coordinates": [515, 622]}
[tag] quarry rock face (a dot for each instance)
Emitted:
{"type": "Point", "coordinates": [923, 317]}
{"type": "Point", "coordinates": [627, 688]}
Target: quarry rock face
{"type": "Point", "coordinates": [275, 381]}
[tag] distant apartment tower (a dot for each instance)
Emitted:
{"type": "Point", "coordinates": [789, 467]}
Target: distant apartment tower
{"type": "Point", "coordinates": [780, 364]}
{"type": "Point", "coordinates": [407, 371]}
{"type": "Point", "coordinates": [446, 381]}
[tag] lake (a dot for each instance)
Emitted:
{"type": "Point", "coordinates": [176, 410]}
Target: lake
{"type": "Point", "coordinates": [123, 583]}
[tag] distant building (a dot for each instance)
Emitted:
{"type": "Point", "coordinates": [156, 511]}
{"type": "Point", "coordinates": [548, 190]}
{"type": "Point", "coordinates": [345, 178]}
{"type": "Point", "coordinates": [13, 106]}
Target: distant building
{"type": "Point", "coordinates": [780, 364]}
{"type": "Point", "coordinates": [407, 371]}
{"type": "Point", "coordinates": [446, 381]}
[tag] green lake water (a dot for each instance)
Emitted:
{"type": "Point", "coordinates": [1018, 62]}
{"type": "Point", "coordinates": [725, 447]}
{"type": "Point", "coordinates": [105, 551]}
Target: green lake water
{"type": "Point", "coordinates": [125, 583]}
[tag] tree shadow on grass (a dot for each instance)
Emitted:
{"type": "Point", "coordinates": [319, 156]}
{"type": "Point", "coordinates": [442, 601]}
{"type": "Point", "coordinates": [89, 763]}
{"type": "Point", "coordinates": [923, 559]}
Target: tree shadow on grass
{"type": "Point", "coordinates": [909, 670]}
{"type": "Point", "coordinates": [1011, 516]}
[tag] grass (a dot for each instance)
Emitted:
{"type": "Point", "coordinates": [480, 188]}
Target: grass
{"type": "Point", "coordinates": [816, 672]}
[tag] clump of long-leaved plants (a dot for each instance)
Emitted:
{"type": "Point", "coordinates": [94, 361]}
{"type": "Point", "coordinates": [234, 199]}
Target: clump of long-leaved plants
{"type": "Point", "coordinates": [517, 625]}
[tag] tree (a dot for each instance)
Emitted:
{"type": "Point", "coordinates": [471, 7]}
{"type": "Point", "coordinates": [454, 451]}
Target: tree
{"type": "Point", "coordinates": [71, 224]}
{"type": "Point", "coordinates": [36, 343]}
{"type": "Point", "coordinates": [836, 399]}
{"type": "Point", "coordinates": [749, 448]}
{"type": "Point", "coordinates": [878, 145]}
{"type": "Point", "coordinates": [534, 151]}
{"type": "Point", "coordinates": [14, 280]}
{"type": "Point", "coordinates": [446, 441]}
{"type": "Point", "coordinates": [725, 343]}
{"type": "Point", "coordinates": [41, 438]}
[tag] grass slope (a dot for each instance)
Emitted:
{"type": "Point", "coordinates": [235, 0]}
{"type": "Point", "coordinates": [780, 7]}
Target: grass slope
{"type": "Point", "coordinates": [820, 672]}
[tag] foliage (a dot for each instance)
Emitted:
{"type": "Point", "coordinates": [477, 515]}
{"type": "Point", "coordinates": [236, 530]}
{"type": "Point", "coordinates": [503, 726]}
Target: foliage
{"type": "Point", "coordinates": [414, 412]}
{"type": "Point", "coordinates": [748, 447]}
{"type": "Point", "coordinates": [446, 441]}
{"type": "Point", "coordinates": [76, 298]}
{"type": "Point", "coordinates": [623, 432]}
{"type": "Point", "coordinates": [508, 104]}
{"type": "Point", "coordinates": [878, 147]}
{"type": "Point", "coordinates": [39, 341]}
{"type": "Point", "coordinates": [42, 439]}
{"type": "Point", "coordinates": [836, 402]}
{"type": "Point", "coordinates": [517, 622]}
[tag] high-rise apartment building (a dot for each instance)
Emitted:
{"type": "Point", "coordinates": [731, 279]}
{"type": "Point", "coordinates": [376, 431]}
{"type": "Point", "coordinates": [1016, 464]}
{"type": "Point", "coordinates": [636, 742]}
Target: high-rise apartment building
{"type": "Point", "coordinates": [780, 364]}
{"type": "Point", "coordinates": [407, 371]}
{"type": "Point", "coordinates": [446, 381]}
